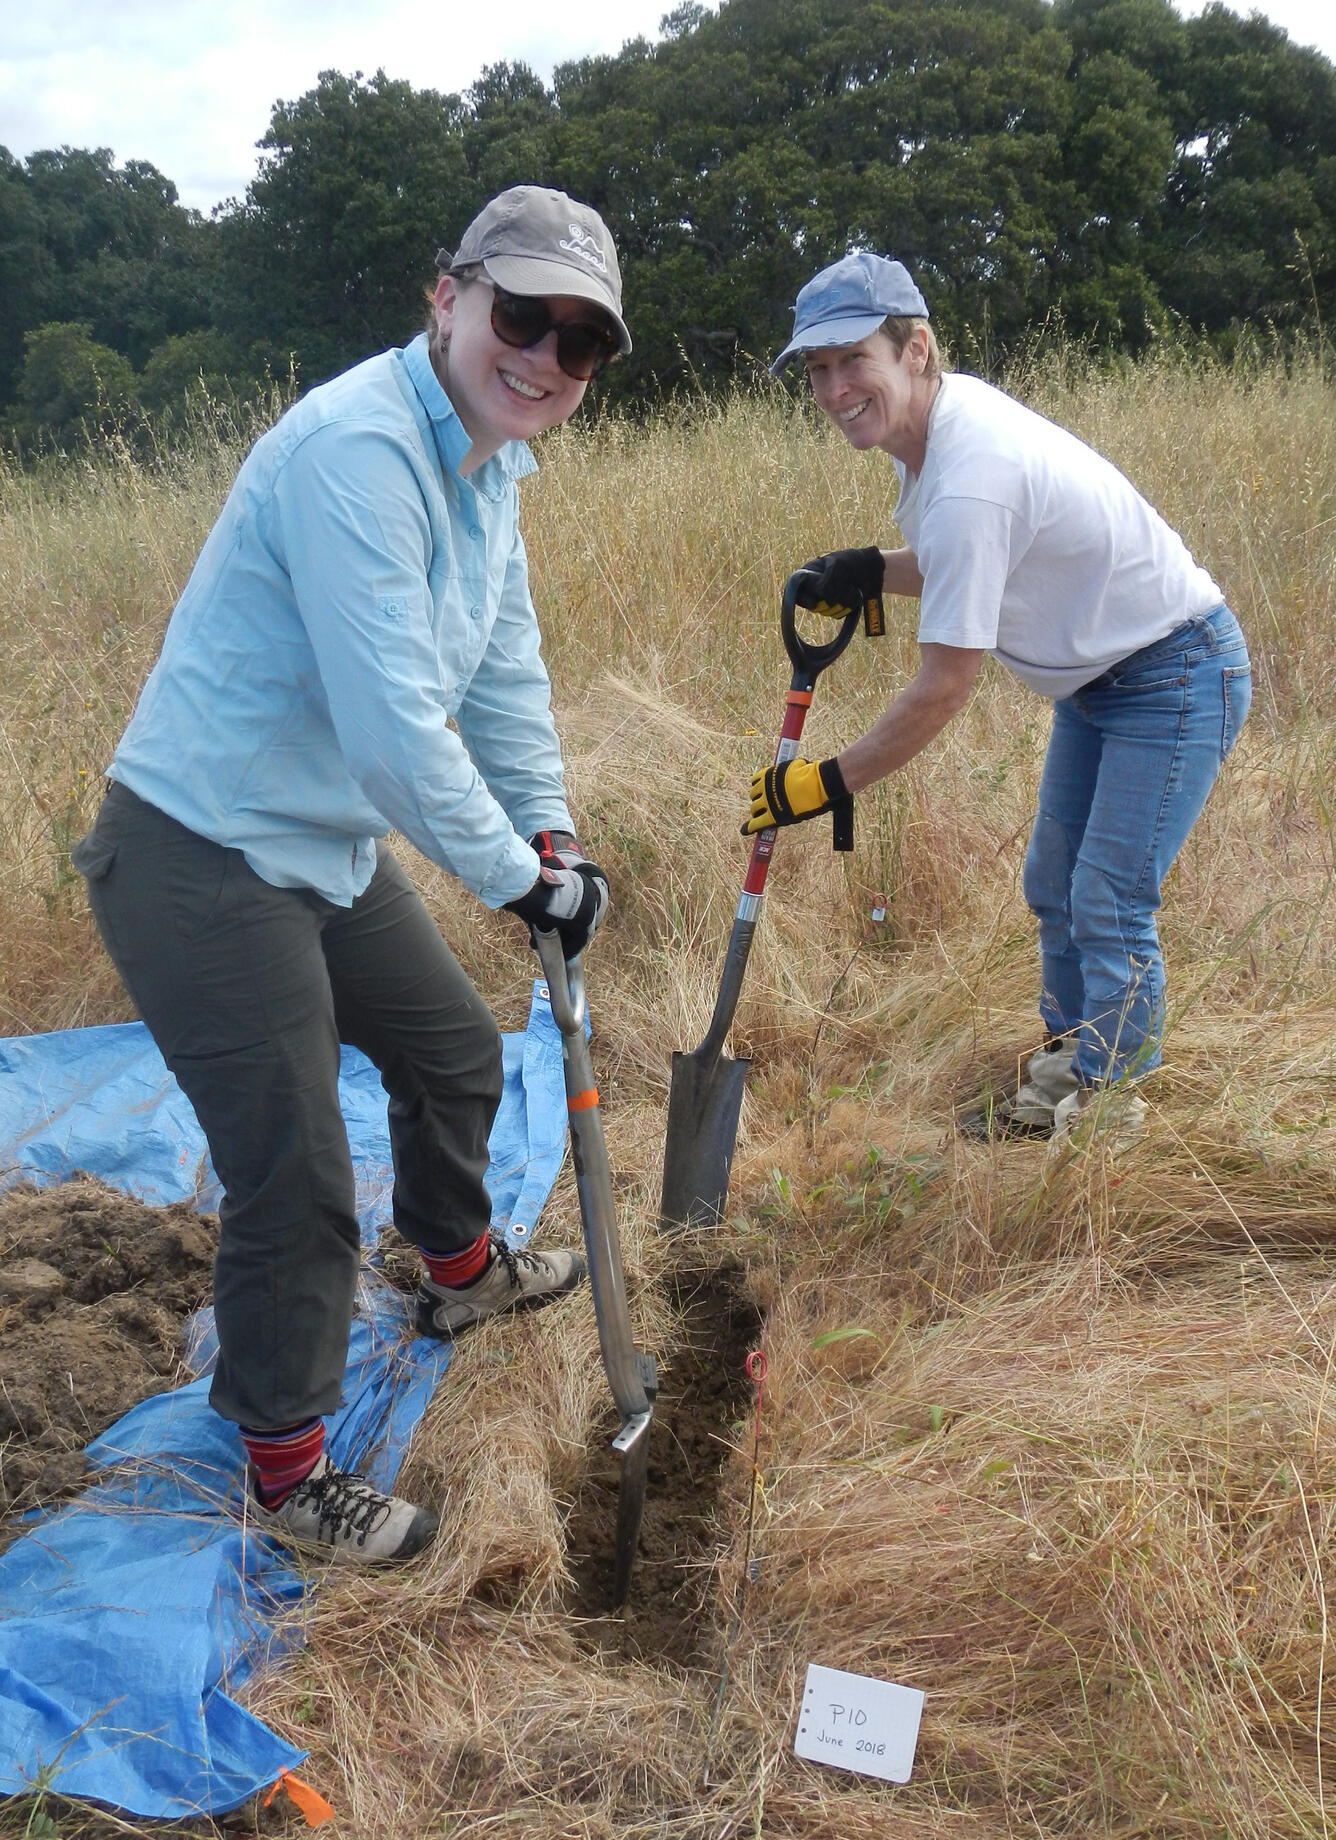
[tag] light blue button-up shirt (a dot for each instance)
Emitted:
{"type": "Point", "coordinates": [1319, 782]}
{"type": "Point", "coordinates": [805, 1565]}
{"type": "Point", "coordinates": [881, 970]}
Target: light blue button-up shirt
{"type": "Point", "coordinates": [356, 594]}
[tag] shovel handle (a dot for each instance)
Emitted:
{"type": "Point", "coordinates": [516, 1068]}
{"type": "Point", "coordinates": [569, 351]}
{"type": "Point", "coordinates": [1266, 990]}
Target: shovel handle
{"type": "Point", "coordinates": [593, 1179]}
{"type": "Point", "coordinates": [808, 661]}
{"type": "Point", "coordinates": [565, 982]}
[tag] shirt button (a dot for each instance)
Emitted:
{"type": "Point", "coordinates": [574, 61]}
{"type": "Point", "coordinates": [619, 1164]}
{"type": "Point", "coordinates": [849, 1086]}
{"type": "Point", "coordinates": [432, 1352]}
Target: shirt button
{"type": "Point", "coordinates": [475, 531]}
{"type": "Point", "coordinates": [475, 613]}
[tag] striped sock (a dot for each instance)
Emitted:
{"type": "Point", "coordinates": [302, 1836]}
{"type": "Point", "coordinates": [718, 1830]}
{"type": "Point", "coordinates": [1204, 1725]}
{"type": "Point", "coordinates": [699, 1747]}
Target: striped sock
{"type": "Point", "coordinates": [282, 1458]}
{"type": "Point", "coordinates": [457, 1270]}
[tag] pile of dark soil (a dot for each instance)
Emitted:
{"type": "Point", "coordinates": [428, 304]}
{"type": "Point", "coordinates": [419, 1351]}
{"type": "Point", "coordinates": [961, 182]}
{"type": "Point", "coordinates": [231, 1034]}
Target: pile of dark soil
{"type": "Point", "coordinates": [94, 1290]}
{"type": "Point", "coordinates": [702, 1408]}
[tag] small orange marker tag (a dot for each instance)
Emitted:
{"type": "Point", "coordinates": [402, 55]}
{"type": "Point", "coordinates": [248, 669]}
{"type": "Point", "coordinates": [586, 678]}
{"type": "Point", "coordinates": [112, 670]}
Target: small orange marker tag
{"type": "Point", "coordinates": [583, 1102]}
{"type": "Point", "coordinates": [313, 1807]}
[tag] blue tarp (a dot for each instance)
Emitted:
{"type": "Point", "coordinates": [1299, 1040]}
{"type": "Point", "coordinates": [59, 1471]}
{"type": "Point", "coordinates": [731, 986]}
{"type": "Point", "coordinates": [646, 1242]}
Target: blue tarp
{"type": "Point", "coordinates": [102, 1100]}
{"type": "Point", "coordinates": [129, 1619]}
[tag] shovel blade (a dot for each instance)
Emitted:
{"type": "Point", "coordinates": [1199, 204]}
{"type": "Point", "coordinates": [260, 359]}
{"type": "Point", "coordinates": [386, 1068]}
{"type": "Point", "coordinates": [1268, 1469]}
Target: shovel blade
{"type": "Point", "coordinates": [704, 1104]}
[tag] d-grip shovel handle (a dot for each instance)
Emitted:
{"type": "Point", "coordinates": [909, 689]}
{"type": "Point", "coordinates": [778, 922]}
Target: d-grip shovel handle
{"type": "Point", "coordinates": [808, 661]}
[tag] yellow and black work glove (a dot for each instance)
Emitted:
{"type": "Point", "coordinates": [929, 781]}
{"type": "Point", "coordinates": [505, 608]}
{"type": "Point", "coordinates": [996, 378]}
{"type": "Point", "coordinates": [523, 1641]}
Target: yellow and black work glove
{"type": "Point", "coordinates": [845, 579]}
{"type": "Point", "coordinates": [798, 789]}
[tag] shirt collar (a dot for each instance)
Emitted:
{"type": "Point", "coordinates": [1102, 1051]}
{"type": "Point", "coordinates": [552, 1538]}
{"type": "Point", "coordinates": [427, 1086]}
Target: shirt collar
{"type": "Point", "coordinates": [507, 464]}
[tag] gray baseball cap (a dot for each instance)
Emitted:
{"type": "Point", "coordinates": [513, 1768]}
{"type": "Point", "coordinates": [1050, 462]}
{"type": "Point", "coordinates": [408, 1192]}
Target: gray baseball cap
{"type": "Point", "coordinates": [532, 240]}
{"type": "Point", "coordinates": [847, 302]}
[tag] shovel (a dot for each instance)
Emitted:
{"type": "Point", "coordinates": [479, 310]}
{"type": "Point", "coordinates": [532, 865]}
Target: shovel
{"type": "Point", "coordinates": [705, 1097]}
{"type": "Point", "coordinates": [633, 1377]}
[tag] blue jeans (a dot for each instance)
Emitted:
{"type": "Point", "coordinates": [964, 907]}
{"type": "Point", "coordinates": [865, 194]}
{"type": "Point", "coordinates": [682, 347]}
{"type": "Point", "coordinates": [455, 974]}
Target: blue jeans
{"type": "Point", "coordinates": [1130, 762]}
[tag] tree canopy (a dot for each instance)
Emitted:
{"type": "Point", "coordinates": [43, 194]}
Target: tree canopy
{"type": "Point", "coordinates": [1105, 160]}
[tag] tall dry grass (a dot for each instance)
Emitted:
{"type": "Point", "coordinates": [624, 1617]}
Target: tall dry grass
{"type": "Point", "coordinates": [1049, 1436]}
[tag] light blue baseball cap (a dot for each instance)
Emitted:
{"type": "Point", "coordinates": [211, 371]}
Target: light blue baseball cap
{"type": "Point", "coordinates": [848, 301]}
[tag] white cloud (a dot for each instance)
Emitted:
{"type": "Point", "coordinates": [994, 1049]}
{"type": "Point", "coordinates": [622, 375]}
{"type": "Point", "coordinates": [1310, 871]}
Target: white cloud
{"type": "Point", "coordinates": [191, 85]}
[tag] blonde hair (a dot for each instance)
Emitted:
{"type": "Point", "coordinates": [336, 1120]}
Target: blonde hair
{"type": "Point", "coordinates": [898, 329]}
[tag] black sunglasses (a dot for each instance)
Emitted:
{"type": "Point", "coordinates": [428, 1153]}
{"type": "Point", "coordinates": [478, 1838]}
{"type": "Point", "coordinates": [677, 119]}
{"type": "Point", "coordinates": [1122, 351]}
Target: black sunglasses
{"type": "Point", "coordinates": [583, 349]}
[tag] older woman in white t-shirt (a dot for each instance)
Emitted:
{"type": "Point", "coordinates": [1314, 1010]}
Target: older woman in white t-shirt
{"type": "Point", "coordinates": [1023, 542]}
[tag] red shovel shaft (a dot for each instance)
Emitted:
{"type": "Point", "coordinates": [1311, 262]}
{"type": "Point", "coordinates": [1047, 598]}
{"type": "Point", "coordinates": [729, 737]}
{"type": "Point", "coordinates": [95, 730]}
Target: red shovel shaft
{"type": "Point", "coordinates": [796, 707]}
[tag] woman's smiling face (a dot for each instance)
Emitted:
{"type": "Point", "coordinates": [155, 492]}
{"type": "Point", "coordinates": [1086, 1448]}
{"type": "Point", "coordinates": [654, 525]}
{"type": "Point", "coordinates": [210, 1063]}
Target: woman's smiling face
{"type": "Point", "coordinates": [873, 393]}
{"type": "Point", "coordinates": [502, 392]}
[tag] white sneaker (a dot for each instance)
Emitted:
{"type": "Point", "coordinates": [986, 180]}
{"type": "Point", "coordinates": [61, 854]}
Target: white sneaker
{"type": "Point", "coordinates": [1113, 1114]}
{"type": "Point", "coordinates": [510, 1281]}
{"type": "Point", "coordinates": [336, 1514]}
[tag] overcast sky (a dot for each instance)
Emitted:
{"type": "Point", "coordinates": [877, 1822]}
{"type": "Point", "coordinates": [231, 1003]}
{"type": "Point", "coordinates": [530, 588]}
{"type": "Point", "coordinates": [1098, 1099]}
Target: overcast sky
{"type": "Point", "coordinates": [190, 84]}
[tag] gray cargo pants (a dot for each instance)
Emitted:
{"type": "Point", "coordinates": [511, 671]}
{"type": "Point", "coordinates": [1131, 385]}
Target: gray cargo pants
{"type": "Point", "coordinates": [248, 991]}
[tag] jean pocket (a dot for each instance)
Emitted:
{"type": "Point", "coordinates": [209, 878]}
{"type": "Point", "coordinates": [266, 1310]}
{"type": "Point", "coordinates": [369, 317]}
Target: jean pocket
{"type": "Point", "coordinates": [1237, 680]}
{"type": "Point", "coordinates": [1136, 683]}
{"type": "Point", "coordinates": [1160, 667]}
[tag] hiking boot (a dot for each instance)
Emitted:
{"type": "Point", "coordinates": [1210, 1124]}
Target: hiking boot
{"type": "Point", "coordinates": [1114, 1115]}
{"type": "Point", "coordinates": [336, 1514]}
{"type": "Point", "coordinates": [510, 1281]}
{"type": "Point", "coordinates": [1029, 1111]}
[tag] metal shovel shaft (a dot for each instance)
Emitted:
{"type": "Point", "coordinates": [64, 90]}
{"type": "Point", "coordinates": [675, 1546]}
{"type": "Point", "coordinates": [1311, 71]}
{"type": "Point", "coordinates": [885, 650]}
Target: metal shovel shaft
{"type": "Point", "coordinates": [631, 1376]}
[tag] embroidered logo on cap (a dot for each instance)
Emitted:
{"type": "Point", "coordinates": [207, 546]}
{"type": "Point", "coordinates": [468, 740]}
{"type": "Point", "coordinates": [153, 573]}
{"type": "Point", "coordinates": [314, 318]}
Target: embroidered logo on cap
{"type": "Point", "coordinates": [584, 244]}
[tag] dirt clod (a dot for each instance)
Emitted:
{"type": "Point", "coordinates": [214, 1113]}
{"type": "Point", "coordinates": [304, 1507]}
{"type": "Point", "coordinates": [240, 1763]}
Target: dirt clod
{"type": "Point", "coordinates": [94, 1289]}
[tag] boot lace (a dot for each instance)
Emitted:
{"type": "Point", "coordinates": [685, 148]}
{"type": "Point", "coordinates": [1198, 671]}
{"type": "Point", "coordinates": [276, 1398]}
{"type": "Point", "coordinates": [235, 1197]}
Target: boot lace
{"type": "Point", "coordinates": [513, 1260]}
{"type": "Point", "coordinates": [349, 1507]}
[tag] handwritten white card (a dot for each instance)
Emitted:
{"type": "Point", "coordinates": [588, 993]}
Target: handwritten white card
{"type": "Point", "coordinates": [855, 1723]}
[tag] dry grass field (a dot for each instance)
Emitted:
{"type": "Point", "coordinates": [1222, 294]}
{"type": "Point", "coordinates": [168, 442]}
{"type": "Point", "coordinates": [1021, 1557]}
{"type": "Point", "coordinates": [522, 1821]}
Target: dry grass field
{"type": "Point", "coordinates": [1049, 1436]}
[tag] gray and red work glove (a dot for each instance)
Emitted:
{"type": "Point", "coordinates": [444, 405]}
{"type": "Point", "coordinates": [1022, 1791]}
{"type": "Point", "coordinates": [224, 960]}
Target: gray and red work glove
{"type": "Point", "coordinates": [843, 581]}
{"type": "Point", "coordinates": [570, 896]}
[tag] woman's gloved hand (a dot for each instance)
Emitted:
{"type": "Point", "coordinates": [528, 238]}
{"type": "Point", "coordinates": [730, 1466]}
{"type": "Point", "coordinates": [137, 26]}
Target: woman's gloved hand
{"type": "Point", "coordinates": [842, 581]}
{"type": "Point", "coordinates": [559, 844]}
{"type": "Point", "coordinates": [793, 791]}
{"type": "Point", "coordinates": [570, 897]}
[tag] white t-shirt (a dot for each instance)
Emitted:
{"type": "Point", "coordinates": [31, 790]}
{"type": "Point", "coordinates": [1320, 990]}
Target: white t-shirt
{"type": "Point", "coordinates": [1035, 548]}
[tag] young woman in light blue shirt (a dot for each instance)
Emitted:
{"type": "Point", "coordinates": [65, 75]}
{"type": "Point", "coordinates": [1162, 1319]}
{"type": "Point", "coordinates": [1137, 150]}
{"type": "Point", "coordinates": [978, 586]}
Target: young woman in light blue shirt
{"type": "Point", "coordinates": [356, 650]}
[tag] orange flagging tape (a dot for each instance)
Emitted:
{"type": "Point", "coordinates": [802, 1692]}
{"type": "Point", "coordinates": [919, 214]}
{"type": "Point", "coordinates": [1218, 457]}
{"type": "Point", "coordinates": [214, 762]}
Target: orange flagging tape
{"type": "Point", "coordinates": [800, 699]}
{"type": "Point", "coordinates": [314, 1808]}
{"type": "Point", "coordinates": [583, 1102]}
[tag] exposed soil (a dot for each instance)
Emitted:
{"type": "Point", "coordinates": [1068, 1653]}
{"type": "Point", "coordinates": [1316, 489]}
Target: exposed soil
{"type": "Point", "coordinates": [94, 1290]}
{"type": "Point", "coordinates": [703, 1405]}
